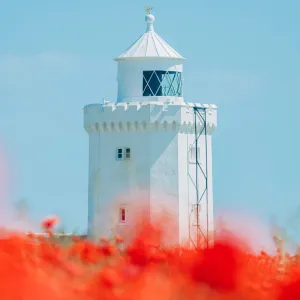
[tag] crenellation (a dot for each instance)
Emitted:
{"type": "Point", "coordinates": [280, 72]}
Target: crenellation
{"type": "Point", "coordinates": [105, 116]}
{"type": "Point", "coordinates": [106, 108]}
{"type": "Point", "coordinates": [134, 106]}
{"type": "Point", "coordinates": [122, 106]}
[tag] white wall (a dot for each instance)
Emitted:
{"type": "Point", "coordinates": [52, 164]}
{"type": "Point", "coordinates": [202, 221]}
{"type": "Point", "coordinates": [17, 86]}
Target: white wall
{"type": "Point", "coordinates": [130, 76]}
{"type": "Point", "coordinates": [158, 175]}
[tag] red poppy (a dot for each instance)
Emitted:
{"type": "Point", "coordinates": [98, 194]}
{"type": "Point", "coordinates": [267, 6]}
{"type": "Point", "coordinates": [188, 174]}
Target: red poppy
{"type": "Point", "coordinates": [49, 223]}
{"type": "Point", "coordinates": [119, 240]}
{"type": "Point", "coordinates": [290, 291]}
{"type": "Point", "coordinates": [217, 267]}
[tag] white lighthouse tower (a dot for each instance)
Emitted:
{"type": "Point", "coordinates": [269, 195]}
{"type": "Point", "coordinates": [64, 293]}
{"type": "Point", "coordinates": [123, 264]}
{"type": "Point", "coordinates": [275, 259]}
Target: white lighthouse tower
{"type": "Point", "coordinates": [150, 147]}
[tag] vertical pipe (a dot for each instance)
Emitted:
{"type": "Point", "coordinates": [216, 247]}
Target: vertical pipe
{"type": "Point", "coordinates": [197, 192]}
{"type": "Point", "coordinates": [206, 181]}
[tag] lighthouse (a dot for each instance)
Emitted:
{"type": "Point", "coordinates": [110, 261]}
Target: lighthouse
{"type": "Point", "coordinates": [151, 148]}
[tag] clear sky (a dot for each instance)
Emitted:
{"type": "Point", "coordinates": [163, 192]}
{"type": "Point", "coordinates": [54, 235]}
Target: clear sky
{"type": "Point", "coordinates": [244, 56]}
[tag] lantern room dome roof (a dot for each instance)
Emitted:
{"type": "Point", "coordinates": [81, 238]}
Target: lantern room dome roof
{"type": "Point", "coordinates": [150, 46]}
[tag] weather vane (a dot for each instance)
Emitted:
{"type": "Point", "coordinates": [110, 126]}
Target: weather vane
{"type": "Point", "coordinates": [149, 9]}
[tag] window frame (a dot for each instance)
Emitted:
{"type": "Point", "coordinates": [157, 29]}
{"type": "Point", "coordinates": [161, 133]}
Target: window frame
{"type": "Point", "coordinates": [173, 78]}
{"type": "Point", "coordinates": [193, 158]}
{"type": "Point", "coordinates": [127, 153]}
{"type": "Point", "coordinates": [194, 214]}
{"type": "Point", "coordinates": [122, 213]}
{"type": "Point", "coordinates": [122, 154]}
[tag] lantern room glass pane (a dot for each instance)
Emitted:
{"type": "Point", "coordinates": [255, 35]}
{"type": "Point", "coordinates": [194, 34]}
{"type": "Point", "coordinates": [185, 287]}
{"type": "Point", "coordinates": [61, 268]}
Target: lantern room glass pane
{"type": "Point", "coordinates": [162, 83]}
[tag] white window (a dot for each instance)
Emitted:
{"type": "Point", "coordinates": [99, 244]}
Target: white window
{"type": "Point", "coordinates": [194, 153]}
{"type": "Point", "coordinates": [127, 153]}
{"type": "Point", "coordinates": [123, 153]}
{"type": "Point", "coordinates": [196, 215]}
{"type": "Point", "coordinates": [122, 215]}
{"type": "Point", "coordinates": [120, 154]}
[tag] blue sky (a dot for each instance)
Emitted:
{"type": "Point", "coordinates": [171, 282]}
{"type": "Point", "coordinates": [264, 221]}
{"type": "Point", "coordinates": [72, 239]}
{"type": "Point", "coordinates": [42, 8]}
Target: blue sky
{"type": "Point", "coordinates": [57, 56]}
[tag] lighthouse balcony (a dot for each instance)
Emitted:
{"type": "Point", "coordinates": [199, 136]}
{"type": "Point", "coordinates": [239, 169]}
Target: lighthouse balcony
{"type": "Point", "coordinates": [148, 116]}
{"type": "Point", "coordinates": [151, 98]}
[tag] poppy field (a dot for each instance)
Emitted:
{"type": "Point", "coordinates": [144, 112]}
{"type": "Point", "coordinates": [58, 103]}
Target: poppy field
{"type": "Point", "coordinates": [39, 267]}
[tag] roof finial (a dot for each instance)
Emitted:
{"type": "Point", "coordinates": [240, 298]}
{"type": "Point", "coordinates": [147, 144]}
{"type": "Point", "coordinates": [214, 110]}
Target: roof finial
{"type": "Point", "coordinates": [149, 9]}
{"type": "Point", "coordinates": [149, 19]}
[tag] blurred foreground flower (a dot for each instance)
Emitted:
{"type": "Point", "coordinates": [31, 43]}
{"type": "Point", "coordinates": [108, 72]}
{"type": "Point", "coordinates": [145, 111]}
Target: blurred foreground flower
{"type": "Point", "coordinates": [49, 223]}
{"type": "Point", "coordinates": [34, 268]}
{"type": "Point", "coordinates": [217, 267]}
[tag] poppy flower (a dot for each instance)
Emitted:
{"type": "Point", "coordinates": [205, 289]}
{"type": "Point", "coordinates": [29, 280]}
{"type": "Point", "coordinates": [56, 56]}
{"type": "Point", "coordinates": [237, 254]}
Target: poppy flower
{"type": "Point", "coordinates": [119, 240]}
{"type": "Point", "coordinates": [217, 267]}
{"type": "Point", "coordinates": [49, 223]}
{"type": "Point", "coordinates": [290, 291]}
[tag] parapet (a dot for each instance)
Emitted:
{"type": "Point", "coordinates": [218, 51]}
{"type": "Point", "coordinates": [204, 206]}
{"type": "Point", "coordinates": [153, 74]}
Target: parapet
{"type": "Point", "coordinates": [149, 116]}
